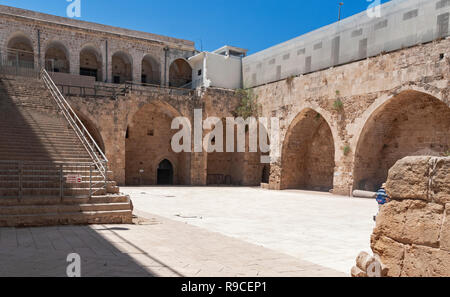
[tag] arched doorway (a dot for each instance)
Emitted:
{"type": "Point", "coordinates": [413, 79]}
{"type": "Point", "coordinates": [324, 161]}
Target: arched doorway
{"type": "Point", "coordinates": [165, 173]}
{"type": "Point", "coordinates": [411, 123]}
{"type": "Point", "coordinates": [57, 58]}
{"type": "Point", "coordinates": [91, 63]}
{"type": "Point", "coordinates": [148, 141]}
{"type": "Point", "coordinates": [20, 51]}
{"type": "Point", "coordinates": [150, 71]}
{"type": "Point", "coordinates": [122, 68]}
{"type": "Point", "coordinates": [308, 153]}
{"type": "Point", "coordinates": [180, 74]}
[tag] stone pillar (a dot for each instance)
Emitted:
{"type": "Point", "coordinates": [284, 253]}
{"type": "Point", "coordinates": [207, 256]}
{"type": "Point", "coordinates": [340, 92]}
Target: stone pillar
{"type": "Point", "coordinates": [137, 69]}
{"type": "Point", "coordinates": [74, 60]}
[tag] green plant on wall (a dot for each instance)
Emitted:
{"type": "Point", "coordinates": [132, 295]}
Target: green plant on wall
{"type": "Point", "coordinates": [447, 153]}
{"type": "Point", "coordinates": [248, 106]}
{"type": "Point", "coordinates": [290, 81]}
{"type": "Point", "coordinates": [346, 150]}
{"type": "Point", "coordinates": [338, 104]}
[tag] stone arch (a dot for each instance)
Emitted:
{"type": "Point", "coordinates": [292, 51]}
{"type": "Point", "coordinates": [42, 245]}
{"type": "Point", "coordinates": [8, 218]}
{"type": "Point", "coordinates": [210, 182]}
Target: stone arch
{"type": "Point", "coordinates": [410, 123]}
{"type": "Point", "coordinates": [234, 168]}
{"type": "Point", "coordinates": [148, 142]}
{"type": "Point", "coordinates": [122, 67]}
{"type": "Point", "coordinates": [91, 62]}
{"type": "Point", "coordinates": [308, 153]}
{"type": "Point", "coordinates": [57, 57]}
{"type": "Point", "coordinates": [20, 50]}
{"type": "Point", "coordinates": [180, 73]}
{"type": "Point", "coordinates": [93, 129]}
{"type": "Point", "coordinates": [151, 70]}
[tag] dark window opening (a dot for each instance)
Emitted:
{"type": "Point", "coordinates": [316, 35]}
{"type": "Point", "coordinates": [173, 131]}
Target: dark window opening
{"type": "Point", "coordinates": [89, 72]}
{"type": "Point", "coordinates": [165, 173]}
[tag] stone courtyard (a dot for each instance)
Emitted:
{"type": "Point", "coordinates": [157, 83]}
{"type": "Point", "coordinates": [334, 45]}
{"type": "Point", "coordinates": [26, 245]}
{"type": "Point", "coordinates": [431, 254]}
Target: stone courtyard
{"type": "Point", "coordinates": [191, 231]}
{"type": "Point", "coordinates": [89, 115]}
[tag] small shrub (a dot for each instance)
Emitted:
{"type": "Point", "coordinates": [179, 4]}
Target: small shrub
{"type": "Point", "coordinates": [447, 153]}
{"type": "Point", "coordinates": [248, 106]}
{"type": "Point", "coordinates": [338, 104]}
{"type": "Point", "coordinates": [346, 150]}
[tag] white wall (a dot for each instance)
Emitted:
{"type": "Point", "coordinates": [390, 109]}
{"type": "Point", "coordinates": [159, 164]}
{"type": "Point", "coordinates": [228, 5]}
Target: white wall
{"type": "Point", "coordinates": [223, 71]}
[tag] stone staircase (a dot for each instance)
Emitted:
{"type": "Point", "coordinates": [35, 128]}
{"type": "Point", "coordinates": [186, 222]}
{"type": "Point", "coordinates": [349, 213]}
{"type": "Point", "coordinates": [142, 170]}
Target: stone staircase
{"type": "Point", "coordinates": [38, 150]}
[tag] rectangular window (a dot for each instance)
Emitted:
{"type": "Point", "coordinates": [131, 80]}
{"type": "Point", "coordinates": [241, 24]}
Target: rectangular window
{"type": "Point", "coordinates": [286, 57]}
{"type": "Point", "coordinates": [363, 48]}
{"type": "Point", "coordinates": [199, 73]}
{"type": "Point", "coordinates": [357, 33]}
{"type": "Point", "coordinates": [442, 24]}
{"type": "Point", "coordinates": [301, 52]}
{"type": "Point", "coordinates": [278, 72]}
{"type": "Point", "coordinates": [335, 50]}
{"type": "Point", "coordinates": [410, 14]}
{"type": "Point", "coordinates": [318, 46]}
{"type": "Point", "coordinates": [271, 62]}
{"type": "Point", "coordinates": [442, 4]}
{"type": "Point", "coordinates": [380, 25]}
{"type": "Point", "coordinates": [308, 64]}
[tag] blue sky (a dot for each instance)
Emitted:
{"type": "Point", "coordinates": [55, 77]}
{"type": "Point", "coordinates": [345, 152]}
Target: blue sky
{"type": "Point", "coordinates": [251, 24]}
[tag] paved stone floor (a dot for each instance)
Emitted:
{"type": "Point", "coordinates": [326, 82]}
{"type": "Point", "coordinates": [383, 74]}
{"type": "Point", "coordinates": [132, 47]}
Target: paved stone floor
{"type": "Point", "coordinates": [153, 247]}
{"type": "Point", "coordinates": [317, 227]}
{"type": "Point", "coordinates": [188, 231]}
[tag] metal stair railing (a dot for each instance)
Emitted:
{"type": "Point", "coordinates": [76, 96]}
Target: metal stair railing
{"type": "Point", "coordinates": [94, 151]}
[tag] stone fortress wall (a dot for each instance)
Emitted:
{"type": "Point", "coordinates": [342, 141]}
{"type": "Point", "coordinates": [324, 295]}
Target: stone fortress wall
{"type": "Point", "coordinates": [342, 128]}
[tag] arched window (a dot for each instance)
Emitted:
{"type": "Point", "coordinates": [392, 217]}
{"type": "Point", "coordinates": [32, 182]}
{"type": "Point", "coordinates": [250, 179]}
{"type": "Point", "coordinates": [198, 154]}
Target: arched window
{"type": "Point", "coordinates": [91, 63]}
{"type": "Point", "coordinates": [121, 68]}
{"type": "Point", "coordinates": [57, 58]}
{"type": "Point", "coordinates": [20, 51]}
{"type": "Point", "coordinates": [150, 71]}
{"type": "Point", "coordinates": [180, 74]}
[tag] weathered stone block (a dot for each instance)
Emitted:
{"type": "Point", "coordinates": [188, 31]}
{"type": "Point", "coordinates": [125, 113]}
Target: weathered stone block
{"type": "Point", "coordinates": [356, 272]}
{"type": "Point", "coordinates": [390, 253]}
{"type": "Point", "coordinates": [423, 261]}
{"type": "Point", "coordinates": [411, 221]}
{"type": "Point", "coordinates": [445, 233]}
{"type": "Point", "coordinates": [440, 186]}
{"type": "Point", "coordinates": [409, 178]}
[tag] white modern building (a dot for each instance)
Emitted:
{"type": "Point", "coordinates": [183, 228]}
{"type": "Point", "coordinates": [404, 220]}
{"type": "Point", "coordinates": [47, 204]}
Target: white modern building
{"type": "Point", "coordinates": [221, 68]}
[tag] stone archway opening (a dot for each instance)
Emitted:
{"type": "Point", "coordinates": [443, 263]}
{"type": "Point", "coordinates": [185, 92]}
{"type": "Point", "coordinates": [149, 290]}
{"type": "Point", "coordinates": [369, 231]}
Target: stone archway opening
{"type": "Point", "coordinates": [180, 74]}
{"type": "Point", "coordinates": [20, 51]}
{"type": "Point", "coordinates": [122, 68]}
{"type": "Point", "coordinates": [91, 63]}
{"type": "Point", "coordinates": [148, 141]}
{"type": "Point", "coordinates": [93, 131]}
{"type": "Point", "coordinates": [410, 124]}
{"type": "Point", "coordinates": [308, 154]}
{"type": "Point", "coordinates": [165, 173]}
{"type": "Point", "coordinates": [57, 58]}
{"type": "Point", "coordinates": [234, 168]}
{"type": "Point", "coordinates": [150, 71]}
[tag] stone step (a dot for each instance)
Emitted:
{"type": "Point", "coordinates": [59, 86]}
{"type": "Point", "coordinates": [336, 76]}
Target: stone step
{"type": "Point", "coordinates": [54, 184]}
{"type": "Point", "coordinates": [63, 208]}
{"type": "Point", "coordinates": [55, 192]}
{"type": "Point", "coordinates": [75, 218]}
{"type": "Point", "coordinates": [50, 200]}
